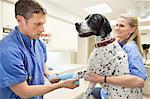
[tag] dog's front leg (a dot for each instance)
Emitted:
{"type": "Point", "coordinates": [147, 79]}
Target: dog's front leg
{"type": "Point", "coordinates": [89, 90]}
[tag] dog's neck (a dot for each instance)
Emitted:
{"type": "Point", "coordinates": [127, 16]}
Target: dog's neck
{"type": "Point", "coordinates": [99, 39]}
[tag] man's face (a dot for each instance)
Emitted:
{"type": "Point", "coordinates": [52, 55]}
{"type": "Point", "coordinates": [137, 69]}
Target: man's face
{"type": "Point", "coordinates": [34, 26]}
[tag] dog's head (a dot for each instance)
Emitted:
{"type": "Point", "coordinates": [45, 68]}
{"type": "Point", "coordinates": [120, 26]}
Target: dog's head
{"type": "Point", "coordinates": [94, 24]}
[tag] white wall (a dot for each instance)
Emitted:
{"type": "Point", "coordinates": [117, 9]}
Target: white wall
{"type": "Point", "coordinates": [8, 15]}
{"type": "Point", "coordinates": [145, 39]}
{"type": "Point", "coordinates": [55, 58]}
{"type": "Point", "coordinates": [82, 54]}
{"type": "Point", "coordinates": [59, 13]}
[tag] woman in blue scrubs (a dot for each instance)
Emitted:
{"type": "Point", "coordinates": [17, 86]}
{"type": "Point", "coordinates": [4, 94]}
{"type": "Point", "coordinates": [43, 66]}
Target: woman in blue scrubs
{"type": "Point", "coordinates": [23, 56]}
{"type": "Point", "coordinates": [128, 36]}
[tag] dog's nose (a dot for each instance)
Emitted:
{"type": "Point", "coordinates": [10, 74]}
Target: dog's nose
{"type": "Point", "coordinates": [77, 24]}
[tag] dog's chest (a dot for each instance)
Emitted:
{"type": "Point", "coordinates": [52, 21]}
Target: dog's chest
{"type": "Point", "coordinates": [108, 60]}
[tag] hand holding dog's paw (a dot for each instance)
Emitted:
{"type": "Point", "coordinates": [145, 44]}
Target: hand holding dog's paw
{"type": "Point", "coordinates": [92, 77]}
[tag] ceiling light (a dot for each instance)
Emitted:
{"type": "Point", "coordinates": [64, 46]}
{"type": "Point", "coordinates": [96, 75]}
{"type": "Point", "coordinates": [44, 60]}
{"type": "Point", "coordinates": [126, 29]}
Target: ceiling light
{"type": "Point", "coordinates": [102, 8]}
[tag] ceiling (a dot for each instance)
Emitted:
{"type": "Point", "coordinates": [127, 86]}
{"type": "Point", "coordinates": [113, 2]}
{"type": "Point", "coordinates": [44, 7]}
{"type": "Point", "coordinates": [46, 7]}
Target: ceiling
{"type": "Point", "coordinates": [140, 8]}
{"type": "Point", "coordinates": [136, 7]}
{"type": "Point", "coordinates": [76, 7]}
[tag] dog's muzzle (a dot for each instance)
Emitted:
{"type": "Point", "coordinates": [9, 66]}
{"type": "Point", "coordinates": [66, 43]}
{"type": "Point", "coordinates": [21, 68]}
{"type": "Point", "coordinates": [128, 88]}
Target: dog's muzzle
{"type": "Point", "coordinates": [83, 29]}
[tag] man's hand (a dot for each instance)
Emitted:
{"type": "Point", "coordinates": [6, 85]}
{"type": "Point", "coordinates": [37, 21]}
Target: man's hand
{"type": "Point", "coordinates": [70, 83]}
{"type": "Point", "coordinates": [54, 80]}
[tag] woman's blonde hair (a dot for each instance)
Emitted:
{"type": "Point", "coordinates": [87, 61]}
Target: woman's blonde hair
{"type": "Point", "coordinates": [133, 22]}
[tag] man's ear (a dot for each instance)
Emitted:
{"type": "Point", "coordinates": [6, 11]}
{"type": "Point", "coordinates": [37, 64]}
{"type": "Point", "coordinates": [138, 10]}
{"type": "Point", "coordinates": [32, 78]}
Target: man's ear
{"type": "Point", "coordinates": [20, 19]}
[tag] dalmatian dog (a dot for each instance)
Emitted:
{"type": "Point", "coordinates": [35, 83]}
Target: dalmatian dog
{"type": "Point", "coordinates": [106, 59]}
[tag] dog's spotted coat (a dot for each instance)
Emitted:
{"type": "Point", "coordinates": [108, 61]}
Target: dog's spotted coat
{"type": "Point", "coordinates": [109, 60]}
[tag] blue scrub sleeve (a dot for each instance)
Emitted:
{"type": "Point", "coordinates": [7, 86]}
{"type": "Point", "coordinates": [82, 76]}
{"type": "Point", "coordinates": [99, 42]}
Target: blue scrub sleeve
{"type": "Point", "coordinates": [136, 65]}
{"type": "Point", "coordinates": [12, 69]}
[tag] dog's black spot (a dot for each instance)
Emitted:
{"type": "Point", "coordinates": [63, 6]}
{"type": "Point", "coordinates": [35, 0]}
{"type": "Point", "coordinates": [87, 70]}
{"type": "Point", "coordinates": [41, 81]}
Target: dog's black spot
{"type": "Point", "coordinates": [119, 58]}
{"type": "Point", "coordinates": [110, 52]}
{"type": "Point", "coordinates": [108, 68]}
{"type": "Point", "coordinates": [114, 47]}
{"type": "Point", "coordinates": [113, 72]}
{"type": "Point", "coordinates": [128, 97]}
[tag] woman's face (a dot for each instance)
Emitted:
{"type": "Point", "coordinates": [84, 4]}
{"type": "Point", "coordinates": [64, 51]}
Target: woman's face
{"type": "Point", "coordinates": [123, 30]}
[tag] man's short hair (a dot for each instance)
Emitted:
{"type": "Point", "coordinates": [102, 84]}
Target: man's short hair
{"type": "Point", "coordinates": [26, 8]}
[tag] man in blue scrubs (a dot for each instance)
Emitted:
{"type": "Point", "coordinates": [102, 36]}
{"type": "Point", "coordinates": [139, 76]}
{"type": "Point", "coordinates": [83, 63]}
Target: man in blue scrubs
{"type": "Point", "coordinates": [23, 56]}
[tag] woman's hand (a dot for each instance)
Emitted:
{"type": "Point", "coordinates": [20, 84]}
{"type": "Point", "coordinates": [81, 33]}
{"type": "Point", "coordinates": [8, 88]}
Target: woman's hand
{"type": "Point", "coordinates": [92, 77]}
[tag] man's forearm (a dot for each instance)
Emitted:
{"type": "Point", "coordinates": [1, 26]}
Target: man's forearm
{"type": "Point", "coordinates": [42, 89]}
{"type": "Point", "coordinates": [25, 91]}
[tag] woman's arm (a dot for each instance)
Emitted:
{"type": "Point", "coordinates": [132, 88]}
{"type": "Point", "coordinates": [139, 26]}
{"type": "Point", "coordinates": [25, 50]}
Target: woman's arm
{"type": "Point", "coordinates": [124, 80]}
{"type": "Point", "coordinates": [130, 81]}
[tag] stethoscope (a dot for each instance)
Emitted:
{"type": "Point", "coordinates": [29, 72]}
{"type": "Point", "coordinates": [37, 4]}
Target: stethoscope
{"type": "Point", "coordinates": [23, 44]}
{"type": "Point", "coordinates": [30, 73]}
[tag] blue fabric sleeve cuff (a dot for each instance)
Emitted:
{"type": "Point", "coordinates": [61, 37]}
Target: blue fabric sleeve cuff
{"type": "Point", "coordinates": [7, 82]}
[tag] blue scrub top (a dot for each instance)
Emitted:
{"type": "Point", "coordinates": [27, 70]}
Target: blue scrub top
{"type": "Point", "coordinates": [20, 59]}
{"type": "Point", "coordinates": [136, 65]}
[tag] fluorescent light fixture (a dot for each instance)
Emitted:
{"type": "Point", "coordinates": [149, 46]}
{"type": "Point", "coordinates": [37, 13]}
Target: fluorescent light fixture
{"type": "Point", "coordinates": [102, 8]}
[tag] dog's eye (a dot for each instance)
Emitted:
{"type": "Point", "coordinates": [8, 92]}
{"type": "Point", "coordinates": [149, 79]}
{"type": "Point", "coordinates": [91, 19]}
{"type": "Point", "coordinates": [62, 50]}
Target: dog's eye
{"type": "Point", "coordinates": [87, 17]}
{"type": "Point", "coordinates": [91, 23]}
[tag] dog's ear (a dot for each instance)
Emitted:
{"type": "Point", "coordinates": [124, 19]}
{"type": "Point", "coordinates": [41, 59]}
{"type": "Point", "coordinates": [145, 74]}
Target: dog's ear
{"type": "Point", "coordinates": [105, 28]}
